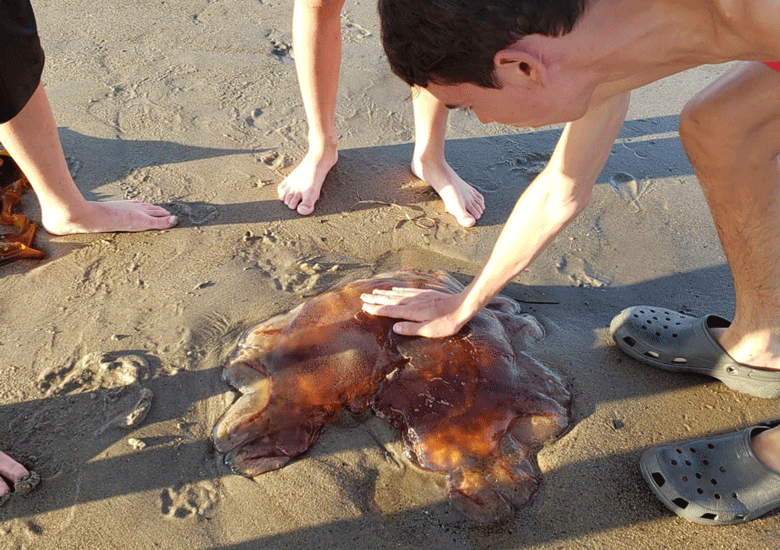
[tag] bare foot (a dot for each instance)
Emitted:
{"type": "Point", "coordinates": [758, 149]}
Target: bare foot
{"type": "Point", "coordinates": [460, 199]}
{"type": "Point", "coordinates": [11, 471]}
{"type": "Point", "coordinates": [301, 189]}
{"type": "Point", "coordinates": [766, 445]}
{"type": "Point", "coordinates": [108, 217]}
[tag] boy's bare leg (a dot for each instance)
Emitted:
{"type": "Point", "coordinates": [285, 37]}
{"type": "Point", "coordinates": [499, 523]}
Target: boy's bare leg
{"type": "Point", "coordinates": [731, 132]}
{"type": "Point", "coordinates": [317, 45]}
{"type": "Point", "coordinates": [32, 140]}
{"type": "Point", "coordinates": [12, 471]}
{"type": "Point", "coordinates": [428, 162]}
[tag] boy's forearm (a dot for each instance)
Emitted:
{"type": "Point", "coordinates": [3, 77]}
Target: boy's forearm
{"type": "Point", "coordinates": [552, 200]}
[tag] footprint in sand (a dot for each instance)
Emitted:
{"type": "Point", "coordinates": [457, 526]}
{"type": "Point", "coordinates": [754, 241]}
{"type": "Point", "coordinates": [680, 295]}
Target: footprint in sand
{"type": "Point", "coordinates": [74, 165]}
{"type": "Point", "coordinates": [580, 272]}
{"type": "Point", "coordinates": [136, 414]}
{"type": "Point", "coordinates": [94, 371]}
{"type": "Point", "coordinates": [20, 534]}
{"type": "Point", "coordinates": [280, 48]}
{"type": "Point", "coordinates": [276, 160]}
{"type": "Point", "coordinates": [190, 500]}
{"type": "Point", "coordinates": [351, 31]}
{"type": "Point", "coordinates": [195, 213]}
{"type": "Point", "coordinates": [531, 164]}
{"type": "Point", "coordinates": [627, 188]}
{"type": "Point", "coordinates": [155, 184]}
{"type": "Point", "coordinates": [286, 264]}
{"type": "Point", "coordinates": [524, 168]}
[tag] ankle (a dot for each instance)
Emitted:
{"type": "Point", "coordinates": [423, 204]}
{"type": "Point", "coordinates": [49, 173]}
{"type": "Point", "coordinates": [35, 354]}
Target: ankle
{"type": "Point", "coordinates": [428, 160]}
{"type": "Point", "coordinates": [322, 145]}
{"type": "Point", "coordinates": [58, 219]}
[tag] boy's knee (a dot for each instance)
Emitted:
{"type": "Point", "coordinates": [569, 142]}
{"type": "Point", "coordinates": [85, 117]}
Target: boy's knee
{"type": "Point", "coordinates": [707, 130]}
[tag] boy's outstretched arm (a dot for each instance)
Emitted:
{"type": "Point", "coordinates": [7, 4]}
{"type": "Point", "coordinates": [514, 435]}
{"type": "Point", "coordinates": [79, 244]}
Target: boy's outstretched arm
{"type": "Point", "coordinates": [557, 195]}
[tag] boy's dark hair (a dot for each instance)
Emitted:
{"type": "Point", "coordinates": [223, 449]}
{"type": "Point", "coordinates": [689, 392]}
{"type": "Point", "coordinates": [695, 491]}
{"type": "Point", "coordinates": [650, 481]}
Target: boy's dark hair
{"type": "Point", "coordinates": [455, 41]}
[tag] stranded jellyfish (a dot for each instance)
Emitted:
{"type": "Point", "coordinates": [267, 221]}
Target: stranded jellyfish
{"type": "Point", "coordinates": [472, 406]}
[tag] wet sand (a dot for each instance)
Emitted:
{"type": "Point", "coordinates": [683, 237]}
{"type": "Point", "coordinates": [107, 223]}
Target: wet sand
{"type": "Point", "coordinates": [195, 105]}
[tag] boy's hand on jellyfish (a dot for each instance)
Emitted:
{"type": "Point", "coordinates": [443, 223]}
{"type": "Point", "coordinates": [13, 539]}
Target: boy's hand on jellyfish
{"type": "Point", "coordinates": [427, 313]}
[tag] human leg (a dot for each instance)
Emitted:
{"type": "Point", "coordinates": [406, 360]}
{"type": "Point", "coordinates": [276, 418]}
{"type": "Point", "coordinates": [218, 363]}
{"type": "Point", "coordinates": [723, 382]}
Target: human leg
{"type": "Point", "coordinates": [731, 132]}
{"type": "Point", "coordinates": [31, 139]}
{"type": "Point", "coordinates": [317, 44]}
{"type": "Point", "coordinates": [428, 162]}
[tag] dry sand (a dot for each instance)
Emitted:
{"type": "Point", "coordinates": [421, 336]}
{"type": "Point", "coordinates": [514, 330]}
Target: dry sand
{"type": "Point", "coordinates": [194, 104]}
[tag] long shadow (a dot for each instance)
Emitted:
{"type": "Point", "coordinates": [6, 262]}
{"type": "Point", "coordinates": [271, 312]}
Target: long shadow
{"type": "Point", "coordinates": [501, 167]}
{"type": "Point", "coordinates": [85, 417]}
{"type": "Point", "coordinates": [96, 161]}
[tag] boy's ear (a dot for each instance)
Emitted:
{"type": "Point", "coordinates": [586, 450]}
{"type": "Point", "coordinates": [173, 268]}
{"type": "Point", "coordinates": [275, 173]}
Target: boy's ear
{"type": "Point", "coordinates": [516, 63]}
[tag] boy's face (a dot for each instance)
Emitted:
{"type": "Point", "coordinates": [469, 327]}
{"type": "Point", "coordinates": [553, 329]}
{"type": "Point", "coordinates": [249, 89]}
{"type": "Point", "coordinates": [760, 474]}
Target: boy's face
{"type": "Point", "coordinates": [519, 101]}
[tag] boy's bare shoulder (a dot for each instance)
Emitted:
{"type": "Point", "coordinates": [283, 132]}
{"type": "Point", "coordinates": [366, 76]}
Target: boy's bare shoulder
{"type": "Point", "coordinates": [757, 21]}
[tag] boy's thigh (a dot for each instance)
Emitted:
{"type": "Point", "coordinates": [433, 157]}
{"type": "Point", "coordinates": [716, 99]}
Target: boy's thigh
{"type": "Point", "coordinates": [21, 57]}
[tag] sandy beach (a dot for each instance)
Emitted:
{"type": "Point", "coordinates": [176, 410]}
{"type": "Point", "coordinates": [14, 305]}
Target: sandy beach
{"type": "Point", "coordinates": [194, 105]}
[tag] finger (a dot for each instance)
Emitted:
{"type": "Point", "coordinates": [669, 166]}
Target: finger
{"type": "Point", "coordinates": [388, 297]}
{"type": "Point", "coordinates": [399, 312]}
{"type": "Point", "coordinates": [375, 299]}
{"type": "Point", "coordinates": [399, 291]}
{"type": "Point", "coordinates": [406, 328]}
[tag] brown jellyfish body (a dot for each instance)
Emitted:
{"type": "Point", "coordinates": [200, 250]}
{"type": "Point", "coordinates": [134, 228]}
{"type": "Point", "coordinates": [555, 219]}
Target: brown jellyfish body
{"type": "Point", "coordinates": [472, 406]}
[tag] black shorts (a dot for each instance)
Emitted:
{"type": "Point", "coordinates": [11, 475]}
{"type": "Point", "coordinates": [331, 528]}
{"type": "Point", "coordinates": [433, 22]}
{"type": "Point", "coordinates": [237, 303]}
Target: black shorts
{"type": "Point", "coordinates": [21, 57]}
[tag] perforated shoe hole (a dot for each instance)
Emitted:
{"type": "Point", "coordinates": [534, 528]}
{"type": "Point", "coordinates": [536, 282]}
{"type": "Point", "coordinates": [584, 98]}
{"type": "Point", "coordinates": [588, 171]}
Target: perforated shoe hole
{"type": "Point", "coordinates": [681, 502]}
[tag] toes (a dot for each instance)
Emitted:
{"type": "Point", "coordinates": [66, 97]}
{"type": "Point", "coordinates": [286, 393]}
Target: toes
{"type": "Point", "coordinates": [156, 211]}
{"type": "Point", "coordinates": [292, 200]}
{"type": "Point", "coordinates": [282, 190]}
{"type": "Point", "coordinates": [466, 220]}
{"type": "Point", "coordinates": [305, 209]}
{"type": "Point", "coordinates": [308, 201]}
{"type": "Point", "coordinates": [163, 222]}
{"type": "Point", "coordinates": [10, 469]}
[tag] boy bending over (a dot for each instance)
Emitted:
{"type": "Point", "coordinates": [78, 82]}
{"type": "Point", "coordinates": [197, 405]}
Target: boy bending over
{"type": "Point", "coordinates": [539, 62]}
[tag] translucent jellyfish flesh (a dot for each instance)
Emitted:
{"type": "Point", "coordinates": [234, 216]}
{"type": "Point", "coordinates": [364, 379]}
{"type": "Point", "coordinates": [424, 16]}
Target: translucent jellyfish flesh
{"type": "Point", "coordinates": [471, 406]}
